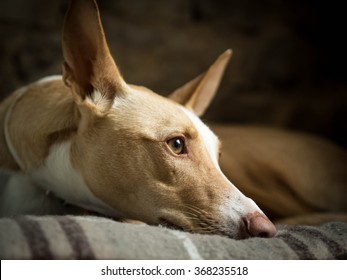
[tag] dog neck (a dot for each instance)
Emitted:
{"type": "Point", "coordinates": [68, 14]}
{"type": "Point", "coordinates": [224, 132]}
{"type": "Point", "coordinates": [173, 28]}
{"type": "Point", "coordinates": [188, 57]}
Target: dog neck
{"type": "Point", "coordinates": [38, 120]}
{"type": "Point", "coordinates": [50, 169]}
{"type": "Point", "coordinates": [59, 177]}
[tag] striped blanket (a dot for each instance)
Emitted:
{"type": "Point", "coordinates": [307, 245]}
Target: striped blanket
{"type": "Point", "coordinates": [90, 237]}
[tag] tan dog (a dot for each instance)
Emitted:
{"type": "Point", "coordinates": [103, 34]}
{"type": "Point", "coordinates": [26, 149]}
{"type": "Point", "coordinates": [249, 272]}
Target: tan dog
{"type": "Point", "coordinates": [92, 140]}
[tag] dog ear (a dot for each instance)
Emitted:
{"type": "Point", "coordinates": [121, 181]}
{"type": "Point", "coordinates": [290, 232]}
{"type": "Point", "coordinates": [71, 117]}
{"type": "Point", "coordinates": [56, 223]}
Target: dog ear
{"type": "Point", "coordinates": [89, 68]}
{"type": "Point", "coordinates": [198, 93]}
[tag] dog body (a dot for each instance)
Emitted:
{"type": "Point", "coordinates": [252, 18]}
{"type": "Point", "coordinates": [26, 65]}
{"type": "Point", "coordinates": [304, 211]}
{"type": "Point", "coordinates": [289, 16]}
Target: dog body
{"type": "Point", "coordinates": [89, 139]}
{"type": "Point", "coordinates": [294, 177]}
{"type": "Point", "coordinates": [286, 173]}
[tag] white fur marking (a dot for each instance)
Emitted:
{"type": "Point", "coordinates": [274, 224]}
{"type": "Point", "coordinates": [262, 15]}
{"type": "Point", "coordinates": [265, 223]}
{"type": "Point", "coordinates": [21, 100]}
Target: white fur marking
{"type": "Point", "coordinates": [49, 79]}
{"type": "Point", "coordinates": [58, 176]}
{"type": "Point", "coordinates": [99, 100]}
{"type": "Point", "coordinates": [120, 102]}
{"type": "Point", "coordinates": [208, 137]}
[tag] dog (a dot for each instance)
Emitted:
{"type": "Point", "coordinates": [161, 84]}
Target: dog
{"type": "Point", "coordinates": [89, 139]}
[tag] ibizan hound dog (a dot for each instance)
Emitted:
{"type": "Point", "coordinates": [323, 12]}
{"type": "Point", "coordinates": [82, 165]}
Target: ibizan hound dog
{"type": "Point", "coordinates": [89, 139]}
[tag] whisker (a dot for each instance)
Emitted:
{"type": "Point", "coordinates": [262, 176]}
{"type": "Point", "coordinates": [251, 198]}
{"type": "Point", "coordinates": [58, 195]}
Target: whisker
{"type": "Point", "coordinates": [203, 221]}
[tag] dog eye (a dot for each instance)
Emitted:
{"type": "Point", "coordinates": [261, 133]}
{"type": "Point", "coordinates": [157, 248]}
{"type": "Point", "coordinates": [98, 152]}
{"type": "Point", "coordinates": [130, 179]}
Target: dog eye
{"type": "Point", "coordinates": [176, 145]}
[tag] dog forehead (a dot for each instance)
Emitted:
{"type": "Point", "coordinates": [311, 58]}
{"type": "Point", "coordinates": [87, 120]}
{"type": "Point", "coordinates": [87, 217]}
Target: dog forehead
{"type": "Point", "coordinates": [164, 117]}
{"type": "Point", "coordinates": [152, 114]}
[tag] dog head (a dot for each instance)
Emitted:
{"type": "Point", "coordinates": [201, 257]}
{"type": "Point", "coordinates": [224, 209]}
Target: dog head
{"type": "Point", "coordinates": [149, 157]}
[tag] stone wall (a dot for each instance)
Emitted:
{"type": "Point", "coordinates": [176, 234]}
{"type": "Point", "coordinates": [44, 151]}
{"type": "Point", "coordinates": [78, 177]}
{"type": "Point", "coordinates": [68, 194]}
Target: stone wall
{"type": "Point", "coordinates": [288, 67]}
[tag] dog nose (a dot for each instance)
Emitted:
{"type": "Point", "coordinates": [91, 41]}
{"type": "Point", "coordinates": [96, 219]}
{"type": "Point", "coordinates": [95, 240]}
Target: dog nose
{"type": "Point", "coordinates": [258, 225]}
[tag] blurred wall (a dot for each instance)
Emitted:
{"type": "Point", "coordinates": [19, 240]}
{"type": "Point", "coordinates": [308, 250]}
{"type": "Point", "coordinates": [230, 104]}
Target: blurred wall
{"type": "Point", "coordinates": [288, 68]}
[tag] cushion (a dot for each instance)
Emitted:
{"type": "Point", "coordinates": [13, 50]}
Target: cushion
{"type": "Point", "coordinates": [91, 237]}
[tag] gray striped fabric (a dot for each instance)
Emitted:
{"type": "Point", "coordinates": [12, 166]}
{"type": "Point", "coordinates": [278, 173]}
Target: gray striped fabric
{"type": "Point", "coordinates": [89, 237]}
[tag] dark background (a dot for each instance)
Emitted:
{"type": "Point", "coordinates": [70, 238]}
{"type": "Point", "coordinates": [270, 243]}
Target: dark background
{"type": "Point", "coordinates": [288, 68]}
